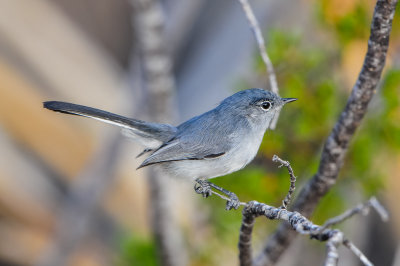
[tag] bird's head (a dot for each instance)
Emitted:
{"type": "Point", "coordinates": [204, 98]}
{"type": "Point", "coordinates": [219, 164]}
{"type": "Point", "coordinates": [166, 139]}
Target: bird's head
{"type": "Point", "coordinates": [257, 105]}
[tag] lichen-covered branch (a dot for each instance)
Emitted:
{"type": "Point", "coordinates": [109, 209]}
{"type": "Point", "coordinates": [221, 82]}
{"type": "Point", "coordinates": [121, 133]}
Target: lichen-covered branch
{"type": "Point", "coordinates": [300, 224]}
{"type": "Point", "coordinates": [337, 143]}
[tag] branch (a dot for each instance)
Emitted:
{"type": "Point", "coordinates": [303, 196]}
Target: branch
{"type": "Point", "coordinates": [246, 229]}
{"type": "Point", "coordinates": [156, 66]}
{"type": "Point", "coordinates": [336, 145]}
{"type": "Point", "coordinates": [298, 223]}
{"type": "Point", "coordinates": [302, 225]}
{"type": "Point", "coordinates": [255, 27]}
{"type": "Point", "coordinates": [361, 208]}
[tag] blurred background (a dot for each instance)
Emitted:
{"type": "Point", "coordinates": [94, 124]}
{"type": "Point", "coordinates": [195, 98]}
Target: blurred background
{"type": "Point", "coordinates": [69, 191]}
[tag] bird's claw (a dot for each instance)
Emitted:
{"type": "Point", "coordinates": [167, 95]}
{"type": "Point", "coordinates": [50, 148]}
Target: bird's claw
{"type": "Point", "coordinates": [232, 203]}
{"type": "Point", "coordinates": [203, 188]}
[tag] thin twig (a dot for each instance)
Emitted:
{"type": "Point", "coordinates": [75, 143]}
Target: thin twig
{"type": "Point", "coordinates": [347, 243]}
{"type": "Point", "coordinates": [337, 143]}
{"type": "Point", "coordinates": [383, 213]}
{"type": "Point", "coordinates": [255, 27]}
{"type": "Point", "coordinates": [292, 187]}
{"type": "Point", "coordinates": [362, 208]}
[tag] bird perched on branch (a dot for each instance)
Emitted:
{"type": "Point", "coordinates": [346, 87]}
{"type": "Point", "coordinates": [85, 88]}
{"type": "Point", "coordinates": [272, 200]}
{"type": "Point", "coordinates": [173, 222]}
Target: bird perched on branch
{"type": "Point", "coordinates": [218, 142]}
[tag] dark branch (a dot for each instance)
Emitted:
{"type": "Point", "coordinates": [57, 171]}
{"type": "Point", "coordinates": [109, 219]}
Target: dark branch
{"type": "Point", "coordinates": [246, 229]}
{"type": "Point", "coordinates": [337, 143]}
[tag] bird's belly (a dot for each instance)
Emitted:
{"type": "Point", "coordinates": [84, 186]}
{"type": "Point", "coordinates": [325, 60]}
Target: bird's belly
{"type": "Point", "coordinates": [232, 161]}
{"type": "Point", "coordinates": [194, 169]}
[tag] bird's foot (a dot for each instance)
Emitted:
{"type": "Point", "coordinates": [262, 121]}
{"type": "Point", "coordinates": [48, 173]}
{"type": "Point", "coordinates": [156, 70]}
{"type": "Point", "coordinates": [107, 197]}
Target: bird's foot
{"type": "Point", "coordinates": [233, 202]}
{"type": "Point", "coordinates": [203, 187]}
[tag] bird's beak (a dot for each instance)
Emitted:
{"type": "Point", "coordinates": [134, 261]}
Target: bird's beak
{"type": "Point", "coordinates": [288, 100]}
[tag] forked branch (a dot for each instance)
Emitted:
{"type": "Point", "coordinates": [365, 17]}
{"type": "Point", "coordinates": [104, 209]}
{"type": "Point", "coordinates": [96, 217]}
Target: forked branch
{"type": "Point", "coordinates": [302, 225]}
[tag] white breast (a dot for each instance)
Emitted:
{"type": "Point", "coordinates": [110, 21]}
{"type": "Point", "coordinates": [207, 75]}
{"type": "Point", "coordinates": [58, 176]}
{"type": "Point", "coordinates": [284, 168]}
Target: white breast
{"type": "Point", "coordinates": [245, 152]}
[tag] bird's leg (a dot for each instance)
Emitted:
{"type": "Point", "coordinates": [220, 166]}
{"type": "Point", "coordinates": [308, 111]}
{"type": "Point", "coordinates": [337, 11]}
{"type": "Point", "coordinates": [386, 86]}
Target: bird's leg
{"type": "Point", "coordinates": [233, 202]}
{"type": "Point", "coordinates": [204, 187]}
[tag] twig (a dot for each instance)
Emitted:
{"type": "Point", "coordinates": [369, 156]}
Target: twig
{"type": "Point", "coordinates": [336, 145]}
{"type": "Point", "coordinates": [362, 208]}
{"type": "Point", "coordinates": [292, 187]}
{"type": "Point", "coordinates": [383, 213]}
{"type": "Point", "coordinates": [255, 27]}
{"type": "Point", "coordinates": [357, 252]}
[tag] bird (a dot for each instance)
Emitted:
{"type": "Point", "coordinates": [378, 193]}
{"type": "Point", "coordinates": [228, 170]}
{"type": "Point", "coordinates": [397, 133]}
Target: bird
{"type": "Point", "coordinates": [215, 143]}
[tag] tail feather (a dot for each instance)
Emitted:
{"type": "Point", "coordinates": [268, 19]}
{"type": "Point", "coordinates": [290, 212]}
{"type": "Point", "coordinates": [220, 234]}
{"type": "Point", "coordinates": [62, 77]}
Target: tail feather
{"type": "Point", "coordinates": [151, 131]}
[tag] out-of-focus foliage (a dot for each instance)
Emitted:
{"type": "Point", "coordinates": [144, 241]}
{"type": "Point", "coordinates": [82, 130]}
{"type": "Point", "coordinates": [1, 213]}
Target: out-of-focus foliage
{"type": "Point", "coordinates": [137, 251]}
{"type": "Point", "coordinates": [347, 23]}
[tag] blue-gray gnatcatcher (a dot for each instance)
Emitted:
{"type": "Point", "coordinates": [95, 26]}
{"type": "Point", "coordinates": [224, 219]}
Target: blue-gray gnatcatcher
{"type": "Point", "coordinates": [216, 143]}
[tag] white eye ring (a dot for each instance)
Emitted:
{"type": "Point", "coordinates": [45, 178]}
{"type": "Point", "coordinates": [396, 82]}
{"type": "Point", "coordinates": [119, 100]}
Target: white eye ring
{"type": "Point", "coordinates": [266, 105]}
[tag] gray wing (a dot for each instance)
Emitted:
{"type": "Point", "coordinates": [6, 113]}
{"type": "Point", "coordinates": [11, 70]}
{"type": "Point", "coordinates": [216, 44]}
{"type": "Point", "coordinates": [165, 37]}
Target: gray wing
{"type": "Point", "coordinates": [151, 135]}
{"type": "Point", "coordinates": [177, 151]}
{"type": "Point", "coordinates": [203, 137]}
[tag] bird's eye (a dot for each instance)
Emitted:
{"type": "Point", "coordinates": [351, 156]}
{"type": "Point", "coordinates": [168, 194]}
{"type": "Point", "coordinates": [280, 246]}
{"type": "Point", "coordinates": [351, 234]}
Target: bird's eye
{"type": "Point", "coordinates": [265, 105]}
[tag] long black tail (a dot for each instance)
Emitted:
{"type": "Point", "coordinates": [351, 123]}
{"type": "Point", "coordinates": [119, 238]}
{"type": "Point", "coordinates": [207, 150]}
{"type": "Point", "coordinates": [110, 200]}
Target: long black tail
{"type": "Point", "coordinates": [161, 132]}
